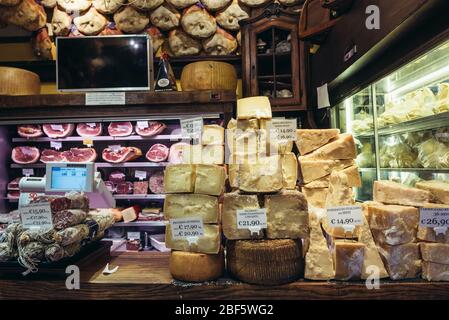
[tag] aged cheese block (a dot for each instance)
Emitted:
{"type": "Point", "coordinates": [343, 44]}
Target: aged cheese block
{"type": "Point", "coordinates": [392, 224]}
{"type": "Point", "coordinates": [308, 140]}
{"type": "Point", "coordinates": [129, 214]}
{"type": "Point", "coordinates": [438, 189]}
{"type": "Point", "coordinates": [231, 203]}
{"type": "Point", "coordinates": [365, 208]}
{"type": "Point", "coordinates": [435, 271]}
{"type": "Point", "coordinates": [315, 169]}
{"type": "Point", "coordinates": [179, 178]}
{"type": "Point", "coordinates": [246, 145]}
{"type": "Point", "coordinates": [351, 172]}
{"type": "Point", "coordinates": [17, 82]}
{"type": "Point", "coordinates": [191, 205]}
{"type": "Point", "coordinates": [212, 134]}
{"type": "Point", "coordinates": [248, 124]}
{"type": "Point", "coordinates": [316, 197]}
{"type": "Point", "coordinates": [210, 179]}
{"type": "Point", "coordinates": [196, 267]}
{"type": "Point", "coordinates": [191, 154]}
{"type": "Point", "coordinates": [265, 176]}
{"type": "Point", "coordinates": [348, 257]}
{"type": "Point", "coordinates": [213, 154]}
{"type": "Point", "coordinates": [340, 193]}
{"type": "Point", "coordinates": [319, 264]}
{"type": "Point", "coordinates": [287, 215]}
{"type": "Point", "coordinates": [233, 175]}
{"type": "Point", "coordinates": [340, 148]}
{"type": "Point", "coordinates": [230, 16]}
{"type": "Point", "coordinates": [402, 261]}
{"type": "Point", "coordinates": [390, 192]}
{"type": "Point", "coordinates": [265, 262]}
{"type": "Point", "coordinates": [254, 107]}
{"type": "Point", "coordinates": [289, 170]}
{"type": "Point", "coordinates": [209, 243]}
{"type": "Point", "coordinates": [435, 252]}
{"type": "Point", "coordinates": [268, 145]}
{"type": "Point", "coordinates": [372, 256]}
{"type": "Point", "coordinates": [208, 75]}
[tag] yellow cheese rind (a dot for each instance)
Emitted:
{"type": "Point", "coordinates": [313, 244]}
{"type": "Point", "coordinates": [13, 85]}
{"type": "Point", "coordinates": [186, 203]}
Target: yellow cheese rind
{"type": "Point", "coordinates": [341, 148]}
{"type": "Point", "coordinates": [209, 243]}
{"type": "Point", "coordinates": [435, 271]}
{"type": "Point", "coordinates": [438, 189]}
{"type": "Point", "coordinates": [212, 134]}
{"type": "Point", "coordinates": [348, 260]}
{"type": "Point", "coordinates": [196, 267]}
{"type": "Point", "coordinates": [435, 252]}
{"type": "Point", "coordinates": [212, 154]}
{"type": "Point", "coordinates": [179, 178]}
{"type": "Point", "coordinates": [314, 169]}
{"type": "Point", "coordinates": [402, 261]}
{"type": "Point", "coordinates": [309, 140]}
{"type": "Point", "coordinates": [191, 205]}
{"type": "Point", "coordinates": [209, 179]}
{"type": "Point", "coordinates": [265, 176]}
{"type": "Point", "coordinates": [254, 107]}
{"type": "Point", "coordinates": [287, 215]}
{"type": "Point", "coordinates": [289, 170]}
{"type": "Point", "coordinates": [390, 192]}
{"type": "Point", "coordinates": [316, 197]}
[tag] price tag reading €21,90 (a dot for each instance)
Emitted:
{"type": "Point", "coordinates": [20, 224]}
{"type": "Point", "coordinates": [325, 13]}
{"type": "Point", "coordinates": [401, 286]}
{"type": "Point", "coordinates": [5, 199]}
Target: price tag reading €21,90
{"type": "Point", "coordinates": [187, 228]}
{"type": "Point", "coordinates": [347, 217]}
{"type": "Point", "coordinates": [252, 219]}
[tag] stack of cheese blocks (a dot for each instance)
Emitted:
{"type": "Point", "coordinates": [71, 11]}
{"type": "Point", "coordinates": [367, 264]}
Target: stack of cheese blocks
{"type": "Point", "coordinates": [263, 174]}
{"type": "Point", "coordinates": [394, 221]}
{"type": "Point", "coordinates": [211, 149]}
{"type": "Point", "coordinates": [193, 191]}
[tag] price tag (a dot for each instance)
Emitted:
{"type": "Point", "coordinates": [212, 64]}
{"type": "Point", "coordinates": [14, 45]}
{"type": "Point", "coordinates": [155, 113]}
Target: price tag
{"type": "Point", "coordinates": [91, 124]}
{"type": "Point", "coordinates": [88, 142]}
{"type": "Point", "coordinates": [105, 98]}
{"type": "Point", "coordinates": [57, 145]}
{"type": "Point", "coordinates": [347, 217]}
{"type": "Point", "coordinates": [115, 147]}
{"type": "Point", "coordinates": [283, 129]}
{"type": "Point", "coordinates": [36, 216]}
{"type": "Point", "coordinates": [57, 127]}
{"type": "Point", "coordinates": [187, 229]}
{"type": "Point", "coordinates": [142, 124]}
{"type": "Point", "coordinates": [252, 219]}
{"type": "Point", "coordinates": [436, 218]}
{"type": "Point", "coordinates": [28, 172]}
{"type": "Point", "coordinates": [192, 128]}
{"type": "Point", "coordinates": [133, 235]}
{"type": "Point", "coordinates": [141, 175]}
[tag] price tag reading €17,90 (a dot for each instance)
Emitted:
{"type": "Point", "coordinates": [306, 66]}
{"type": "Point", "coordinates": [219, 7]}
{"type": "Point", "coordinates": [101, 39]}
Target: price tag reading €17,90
{"type": "Point", "coordinates": [283, 129]}
{"type": "Point", "coordinates": [252, 219]}
{"type": "Point", "coordinates": [345, 217]}
{"type": "Point", "coordinates": [436, 218]}
{"type": "Point", "coordinates": [189, 229]}
{"type": "Point", "coordinates": [36, 216]}
{"type": "Point", "coordinates": [192, 128]}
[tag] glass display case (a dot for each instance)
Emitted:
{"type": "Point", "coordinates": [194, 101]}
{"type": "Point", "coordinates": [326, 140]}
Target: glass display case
{"type": "Point", "coordinates": [401, 123]}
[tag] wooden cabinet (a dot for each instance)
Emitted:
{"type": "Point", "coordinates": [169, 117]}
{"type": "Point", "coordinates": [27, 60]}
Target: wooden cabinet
{"type": "Point", "coordinates": [273, 58]}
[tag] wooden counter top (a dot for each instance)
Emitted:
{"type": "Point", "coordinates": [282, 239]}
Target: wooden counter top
{"type": "Point", "coordinates": [145, 275]}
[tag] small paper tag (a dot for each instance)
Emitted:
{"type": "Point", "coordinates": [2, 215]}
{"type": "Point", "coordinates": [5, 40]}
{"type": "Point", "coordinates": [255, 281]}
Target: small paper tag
{"type": "Point", "coordinates": [88, 142]}
{"type": "Point", "coordinates": [91, 124]}
{"type": "Point", "coordinates": [434, 217]}
{"type": "Point", "coordinates": [133, 235]}
{"type": "Point", "coordinates": [142, 124]}
{"type": "Point", "coordinates": [345, 217]}
{"type": "Point", "coordinates": [28, 172]}
{"type": "Point", "coordinates": [185, 228]}
{"type": "Point", "coordinates": [323, 97]}
{"type": "Point", "coordinates": [192, 128]}
{"type": "Point", "coordinates": [57, 145]}
{"type": "Point", "coordinates": [36, 216]}
{"type": "Point", "coordinates": [141, 175]}
{"type": "Point", "coordinates": [57, 127]}
{"type": "Point", "coordinates": [115, 147]}
{"type": "Point", "coordinates": [105, 98]}
{"type": "Point", "coordinates": [283, 129]}
{"type": "Point", "coordinates": [252, 219]}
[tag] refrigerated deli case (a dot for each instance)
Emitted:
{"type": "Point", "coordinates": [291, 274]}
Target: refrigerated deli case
{"type": "Point", "coordinates": [401, 123]}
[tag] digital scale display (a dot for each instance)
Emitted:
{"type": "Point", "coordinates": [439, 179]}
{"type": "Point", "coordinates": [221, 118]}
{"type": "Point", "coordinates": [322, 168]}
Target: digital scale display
{"type": "Point", "coordinates": [69, 177]}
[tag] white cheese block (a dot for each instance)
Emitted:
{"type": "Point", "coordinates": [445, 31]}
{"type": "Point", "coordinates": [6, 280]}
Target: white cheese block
{"type": "Point", "coordinates": [348, 257]}
{"type": "Point", "coordinates": [209, 179]}
{"type": "Point", "coordinates": [212, 134]}
{"type": "Point", "coordinates": [265, 176]}
{"type": "Point", "coordinates": [232, 124]}
{"type": "Point", "coordinates": [435, 252]}
{"type": "Point", "coordinates": [249, 124]}
{"type": "Point", "coordinates": [287, 215]}
{"type": "Point", "coordinates": [308, 140]}
{"type": "Point", "coordinates": [390, 192]}
{"type": "Point", "coordinates": [191, 154]}
{"type": "Point", "coordinates": [212, 154]}
{"type": "Point", "coordinates": [316, 197]}
{"type": "Point", "coordinates": [191, 205]}
{"type": "Point", "coordinates": [231, 203]}
{"type": "Point", "coordinates": [402, 261]}
{"type": "Point", "coordinates": [129, 214]}
{"type": "Point", "coordinates": [196, 267]}
{"type": "Point", "coordinates": [341, 148]}
{"type": "Point", "coordinates": [209, 243]}
{"type": "Point", "coordinates": [179, 178]}
{"type": "Point", "coordinates": [289, 170]}
{"type": "Point", "coordinates": [254, 107]}
{"type": "Point", "coordinates": [438, 189]}
{"type": "Point", "coordinates": [435, 271]}
{"type": "Point", "coordinates": [314, 169]}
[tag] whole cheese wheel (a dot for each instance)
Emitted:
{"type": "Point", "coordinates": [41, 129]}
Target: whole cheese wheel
{"type": "Point", "coordinates": [196, 267]}
{"type": "Point", "coordinates": [207, 75]}
{"type": "Point", "coordinates": [17, 82]}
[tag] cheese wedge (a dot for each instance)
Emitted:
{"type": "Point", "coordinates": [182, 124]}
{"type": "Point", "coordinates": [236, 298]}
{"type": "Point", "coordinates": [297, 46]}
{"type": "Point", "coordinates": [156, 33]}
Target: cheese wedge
{"type": "Point", "coordinates": [196, 267]}
{"type": "Point", "coordinates": [191, 205]}
{"type": "Point", "coordinates": [390, 192]}
{"type": "Point", "coordinates": [348, 257]}
{"type": "Point", "coordinates": [212, 154]}
{"type": "Point", "coordinates": [435, 271]}
{"type": "Point", "coordinates": [308, 140]}
{"type": "Point", "coordinates": [265, 176]}
{"type": "Point", "coordinates": [212, 134]}
{"type": "Point", "coordinates": [179, 178]}
{"type": "Point", "coordinates": [341, 148]}
{"type": "Point", "coordinates": [352, 173]}
{"type": "Point", "coordinates": [314, 169]}
{"type": "Point", "coordinates": [289, 170]}
{"type": "Point", "coordinates": [316, 197]}
{"type": "Point", "coordinates": [254, 107]}
{"type": "Point", "coordinates": [191, 154]}
{"type": "Point", "coordinates": [340, 193]}
{"type": "Point", "coordinates": [402, 261]}
{"type": "Point", "coordinates": [438, 189]}
{"type": "Point", "coordinates": [209, 179]}
{"type": "Point", "coordinates": [435, 252]}
{"type": "Point", "coordinates": [209, 243]}
{"type": "Point", "coordinates": [233, 175]}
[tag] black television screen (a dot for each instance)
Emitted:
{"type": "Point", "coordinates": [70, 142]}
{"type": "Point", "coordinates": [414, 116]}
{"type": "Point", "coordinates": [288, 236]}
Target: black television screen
{"type": "Point", "coordinates": [111, 63]}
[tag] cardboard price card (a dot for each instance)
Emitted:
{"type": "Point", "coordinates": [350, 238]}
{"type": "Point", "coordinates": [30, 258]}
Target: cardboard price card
{"type": "Point", "coordinates": [184, 228]}
{"type": "Point", "coordinates": [434, 217]}
{"type": "Point", "coordinates": [36, 216]}
{"type": "Point", "coordinates": [192, 128]}
{"type": "Point", "coordinates": [252, 219]}
{"type": "Point", "coordinates": [283, 129]}
{"type": "Point", "coordinates": [345, 216]}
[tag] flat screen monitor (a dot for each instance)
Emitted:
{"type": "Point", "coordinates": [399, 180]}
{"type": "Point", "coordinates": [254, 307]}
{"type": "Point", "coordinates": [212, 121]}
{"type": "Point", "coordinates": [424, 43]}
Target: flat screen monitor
{"type": "Point", "coordinates": [66, 177]}
{"type": "Point", "coordinates": [104, 63]}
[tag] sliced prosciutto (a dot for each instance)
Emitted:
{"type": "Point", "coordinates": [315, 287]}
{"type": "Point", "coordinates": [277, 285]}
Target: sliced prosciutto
{"type": "Point", "coordinates": [30, 131]}
{"type": "Point", "coordinates": [176, 154]}
{"type": "Point", "coordinates": [152, 128]}
{"type": "Point", "coordinates": [123, 154]}
{"type": "Point", "coordinates": [120, 129]}
{"type": "Point", "coordinates": [158, 153]}
{"type": "Point", "coordinates": [50, 155]}
{"type": "Point", "coordinates": [25, 155]}
{"type": "Point", "coordinates": [80, 155]}
{"type": "Point", "coordinates": [89, 129]}
{"type": "Point", "coordinates": [58, 130]}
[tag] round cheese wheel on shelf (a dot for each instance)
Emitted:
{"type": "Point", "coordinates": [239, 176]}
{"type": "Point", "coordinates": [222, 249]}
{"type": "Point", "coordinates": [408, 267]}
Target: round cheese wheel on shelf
{"type": "Point", "coordinates": [196, 267]}
{"type": "Point", "coordinates": [208, 75]}
{"type": "Point", "coordinates": [17, 82]}
{"type": "Point", "coordinates": [265, 262]}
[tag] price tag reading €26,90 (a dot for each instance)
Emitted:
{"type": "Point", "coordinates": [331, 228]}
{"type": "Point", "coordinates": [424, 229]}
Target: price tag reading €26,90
{"type": "Point", "coordinates": [345, 217]}
{"type": "Point", "coordinates": [434, 218]}
{"type": "Point", "coordinates": [36, 216]}
{"type": "Point", "coordinates": [252, 219]}
{"type": "Point", "coordinates": [187, 228]}
{"type": "Point", "coordinates": [283, 129]}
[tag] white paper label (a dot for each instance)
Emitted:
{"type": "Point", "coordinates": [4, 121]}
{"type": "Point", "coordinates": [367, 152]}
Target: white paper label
{"type": "Point", "coordinates": [105, 98]}
{"type": "Point", "coordinates": [56, 145]}
{"type": "Point", "coordinates": [28, 172]}
{"type": "Point", "coordinates": [142, 124]}
{"type": "Point", "coordinates": [192, 128]}
{"type": "Point", "coordinates": [283, 129]}
{"type": "Point", "coordinates": [252, 219]}
{"type": "Point", "coordinates": [434, 217]}
{"type": "Point", "coordinates": [187, 228]}
{"type": "Point", "coordinates": [323, 97]}
{"type": "Point", "coordinates": [348, 216]}
{"type": "Point", "coordinates": [57, 127]}
{"type": "Point", "coordinates": [37, 216]}
{"type": "Point", "coordinates": [141, 175]}
{"type": "Point", "coordinates": [133, 235]}
{"type": "Point", "coordinates": [91, 124]}
{"type": "Point", "coordinates": [115, 147]}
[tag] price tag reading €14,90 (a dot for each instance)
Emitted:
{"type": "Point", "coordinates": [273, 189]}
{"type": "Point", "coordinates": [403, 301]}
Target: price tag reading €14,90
{"type": "Point", "coordinates": [192, 128]}
{"type": "Point", "coordinates": [345, 217]}
{"type": "Point", "coordinates": [187, 228]}
{"type": "Point", "coordinates": [437, 218]}
{"type": "Point", "coordinates": [252, 219]}
{"type": "Point", "coordinates": [36, 216]}
{"type": "Point", "coordinates": [283, 129]}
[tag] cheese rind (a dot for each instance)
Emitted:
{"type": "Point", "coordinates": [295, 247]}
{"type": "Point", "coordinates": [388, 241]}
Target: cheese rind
{"type": "Point", "coordinates": [196, 267]}
{"type": "Point", "coordinates": [265, 176]}
{"type": "Point", "coordinates": [435, 271]}
{"type": "Point", "coordinates": [179, 178]}
{"type": "Point", "coordinates": [390, 192]}
{"type": "Point", "coordinates": [435, 252]}
{"type": "Point", "coordinates": [212, 134]}
{"type": "Point", "coordinates": [308, 140]}
{"type": "Point", "coordinates": [402, 261]}
{"type": "Point", "coordinates": [209, 179]}
{"type": "Point", "coordinates": [289, 170]}
{"type": "Point", "coordinates": [438, 189]}
{"type": "Point", "coordinates": [352, 173]}
{"type": "Point", "coordinates": [209, 243]}
{"type": "Point", "coordinates": [233, 175]}
{"type": "Point", "coordinates": [287, 215]}
{"type": "Point", "coordinates": [348, 259]}
{"type": "Point", "coordinates": [341, 148]}
{"type": "Point", "coordinates": [212, 154]}
{"type": "Point", "coordinates": [191, 205]}
{"type": "Point", "coordinates": [314, 169]}
{"type": "Point", "coordinates": [316, 197]}
{"type": "Point", "coordinates": [254, 107]}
